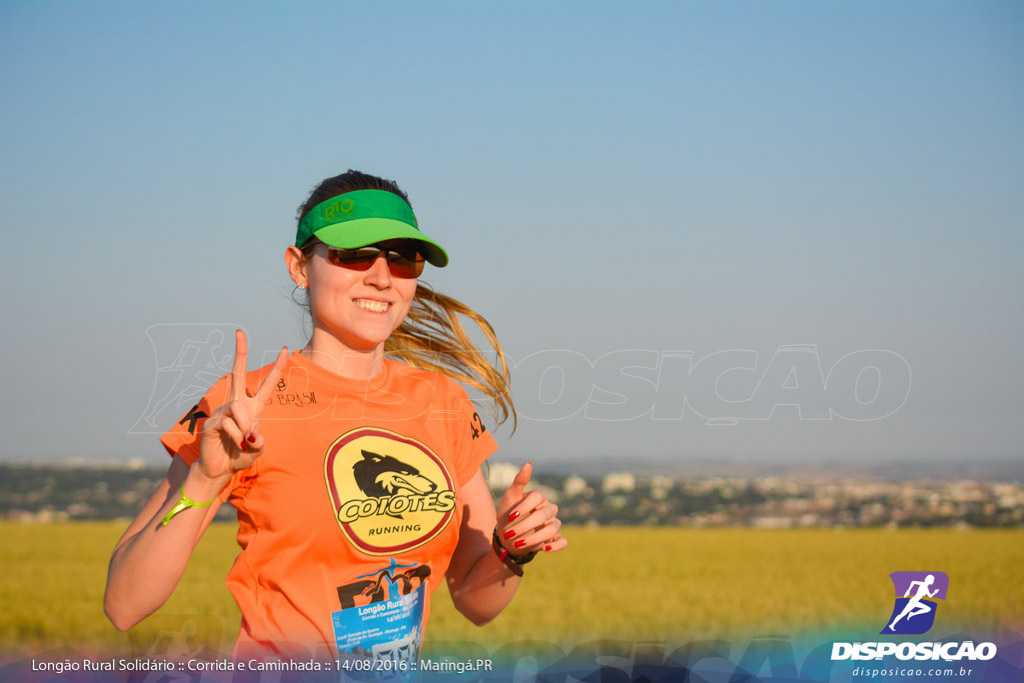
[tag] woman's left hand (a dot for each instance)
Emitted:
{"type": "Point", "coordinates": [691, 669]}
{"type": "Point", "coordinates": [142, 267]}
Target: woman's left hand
{"type": "Point", "coordinates": [528, 522]}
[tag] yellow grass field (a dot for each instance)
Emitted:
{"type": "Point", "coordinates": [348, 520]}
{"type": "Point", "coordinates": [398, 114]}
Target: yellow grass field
{"type": "Point", "coordinates": [661, 584]}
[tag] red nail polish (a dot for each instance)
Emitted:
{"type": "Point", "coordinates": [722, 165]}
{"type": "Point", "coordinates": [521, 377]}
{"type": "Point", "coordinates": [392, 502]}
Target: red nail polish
{"type": "Point", "coordinates": [252, 438]}
{"type": "Point", "coordinates": [243, 446]}
{"type": "Point", "coordinates": [513, 516]}
{"type": "Point", "coordinates": [547, 548]}
{"type": "Point", "coordinates": [520, 543]}
{"type": "Point", "coordinates": [510, 533]}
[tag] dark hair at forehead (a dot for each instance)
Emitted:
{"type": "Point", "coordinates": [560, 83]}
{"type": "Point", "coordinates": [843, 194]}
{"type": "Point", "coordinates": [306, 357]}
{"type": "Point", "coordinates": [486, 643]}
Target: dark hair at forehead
{"type": "Point", "coordinates": [349, 181]}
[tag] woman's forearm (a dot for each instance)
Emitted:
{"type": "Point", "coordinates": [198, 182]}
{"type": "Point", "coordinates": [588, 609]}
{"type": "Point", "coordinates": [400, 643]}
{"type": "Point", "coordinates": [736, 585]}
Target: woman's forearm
{"type": "Point", "coordinates": [486, 590]}
{"type": "Point", "coordinates": [150, 558]}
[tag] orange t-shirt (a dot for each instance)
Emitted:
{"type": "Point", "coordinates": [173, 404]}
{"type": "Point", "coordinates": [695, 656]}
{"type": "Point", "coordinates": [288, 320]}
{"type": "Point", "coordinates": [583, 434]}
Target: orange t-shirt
{"type": "Point", "coordinates": [359, 482]}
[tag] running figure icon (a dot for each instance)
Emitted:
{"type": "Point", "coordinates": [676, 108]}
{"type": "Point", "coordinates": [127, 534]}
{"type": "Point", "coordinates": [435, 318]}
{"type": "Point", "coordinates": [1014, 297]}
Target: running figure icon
{"type": "Point", "coordinates": [917, 594]}
{"type": "Point", "coordinates": [189, 359]}
{"type": "Point", "coordinates": [915, 605]}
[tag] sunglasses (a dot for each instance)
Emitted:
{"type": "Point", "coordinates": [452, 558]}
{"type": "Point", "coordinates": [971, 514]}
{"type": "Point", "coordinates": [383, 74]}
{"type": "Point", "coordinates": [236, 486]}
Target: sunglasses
{"type": "Point", "coordinates": [403, 261]}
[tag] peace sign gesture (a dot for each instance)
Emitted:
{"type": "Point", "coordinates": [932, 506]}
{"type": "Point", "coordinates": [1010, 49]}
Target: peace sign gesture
{"type": "Point", "coordinates": [231, 441]}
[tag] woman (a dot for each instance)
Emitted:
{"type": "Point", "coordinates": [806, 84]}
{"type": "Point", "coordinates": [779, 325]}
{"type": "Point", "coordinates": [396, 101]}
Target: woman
{"type": "Point", "coordinates": [356, 476]}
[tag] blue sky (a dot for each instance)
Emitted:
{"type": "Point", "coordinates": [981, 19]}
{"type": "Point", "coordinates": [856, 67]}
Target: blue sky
{"type": "Point", "coordinates": [614, 185]}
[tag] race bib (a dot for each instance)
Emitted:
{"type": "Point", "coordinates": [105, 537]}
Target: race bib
{"type": "Point", "coordinates": [382, 616]}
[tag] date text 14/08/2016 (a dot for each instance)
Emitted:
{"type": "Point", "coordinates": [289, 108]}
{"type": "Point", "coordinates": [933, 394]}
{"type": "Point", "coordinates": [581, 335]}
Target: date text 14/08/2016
{"type": "Point", "coordinates": [446, 665]}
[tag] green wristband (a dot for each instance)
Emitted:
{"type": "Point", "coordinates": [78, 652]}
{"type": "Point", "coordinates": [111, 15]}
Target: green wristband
{"type": "Point", "coordinates": [183, 503]}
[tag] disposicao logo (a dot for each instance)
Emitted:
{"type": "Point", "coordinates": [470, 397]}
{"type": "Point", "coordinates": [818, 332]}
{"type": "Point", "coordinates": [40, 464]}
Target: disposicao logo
{"type": "Point", "coordinates": [916, 595]}
{"type": "Point", "coordinates": [913, 614]}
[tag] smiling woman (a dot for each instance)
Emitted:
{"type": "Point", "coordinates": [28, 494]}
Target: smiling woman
{"type": "Point", "coordinates": [358, 297]}
{"type": "Point", "coordinates": [368, 493]}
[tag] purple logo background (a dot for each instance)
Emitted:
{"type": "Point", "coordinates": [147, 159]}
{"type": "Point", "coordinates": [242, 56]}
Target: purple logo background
{"type": "Point", "coordinates": [902, 580]}
{"type": "Point", "coordinates": [914, 610]}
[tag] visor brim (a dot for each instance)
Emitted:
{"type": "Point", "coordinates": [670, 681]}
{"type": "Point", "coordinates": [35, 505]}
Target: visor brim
{"type": "Point", "coordinates": [365, 231]}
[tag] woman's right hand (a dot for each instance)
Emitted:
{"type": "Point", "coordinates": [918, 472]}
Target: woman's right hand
{"type": "Point", "coordinates": [231, 440]}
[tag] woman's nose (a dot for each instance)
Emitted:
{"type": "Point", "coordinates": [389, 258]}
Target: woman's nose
{"type": "Point", "coordinates": [379, 274]}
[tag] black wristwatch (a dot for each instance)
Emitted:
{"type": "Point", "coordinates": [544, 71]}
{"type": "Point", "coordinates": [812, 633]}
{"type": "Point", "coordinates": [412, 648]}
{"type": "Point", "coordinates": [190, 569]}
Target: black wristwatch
{"type": "Point", "coordinates": [513, 562]}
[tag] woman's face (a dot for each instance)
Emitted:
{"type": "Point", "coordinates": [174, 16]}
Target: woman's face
{"type": "Point", "coordinates": [359, 308]}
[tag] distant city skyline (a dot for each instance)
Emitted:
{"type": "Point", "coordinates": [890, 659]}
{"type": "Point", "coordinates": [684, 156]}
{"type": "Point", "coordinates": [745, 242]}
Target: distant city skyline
{"type": "Point", "coordinates": [759, 233]}
{"type": "Point", "coordinates": [41, 494]}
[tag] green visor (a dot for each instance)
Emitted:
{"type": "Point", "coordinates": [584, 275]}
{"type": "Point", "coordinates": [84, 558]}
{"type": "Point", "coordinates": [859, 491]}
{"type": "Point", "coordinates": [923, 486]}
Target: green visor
{"type": "Point", "coordinates": [357, 219]}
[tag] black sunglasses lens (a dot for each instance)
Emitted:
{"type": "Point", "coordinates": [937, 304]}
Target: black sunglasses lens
{"type": "Point", "coordinates": [354, 259]}
{"type": "Point", "coordinates": [404, 263]}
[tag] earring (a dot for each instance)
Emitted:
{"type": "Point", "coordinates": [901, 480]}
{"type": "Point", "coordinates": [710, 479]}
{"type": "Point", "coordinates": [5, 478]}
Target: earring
{"type": "Point", "coordinates": [302, 285]}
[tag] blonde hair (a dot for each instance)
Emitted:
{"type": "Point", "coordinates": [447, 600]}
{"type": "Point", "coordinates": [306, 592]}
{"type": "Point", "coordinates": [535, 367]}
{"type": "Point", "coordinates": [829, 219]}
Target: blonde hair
{"type": "Point", "coordinates": [433, 337]}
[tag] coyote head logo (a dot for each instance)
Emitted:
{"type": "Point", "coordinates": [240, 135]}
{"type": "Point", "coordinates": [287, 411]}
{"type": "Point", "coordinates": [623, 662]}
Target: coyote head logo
{"type": "Point", "coordinates": [375, 476]}
{"type": "Point", "coordinates": [381, 475]}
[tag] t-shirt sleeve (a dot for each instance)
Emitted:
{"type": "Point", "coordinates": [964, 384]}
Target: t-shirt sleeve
{"type": "Point", "coordinates": [183, 438]}
{"type": "Point", "coordinates": [473, 442]}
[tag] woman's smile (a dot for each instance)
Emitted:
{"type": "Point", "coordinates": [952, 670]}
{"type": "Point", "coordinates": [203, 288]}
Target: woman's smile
{"type": "Point", "coordinates": [373, 305]}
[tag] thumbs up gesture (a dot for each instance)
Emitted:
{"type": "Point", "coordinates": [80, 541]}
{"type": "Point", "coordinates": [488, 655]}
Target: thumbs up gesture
{"type": "Point", "coordinates": [528, 522]}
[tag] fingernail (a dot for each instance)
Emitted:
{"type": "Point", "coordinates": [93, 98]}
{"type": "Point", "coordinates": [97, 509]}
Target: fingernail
{"type": "Point", "coordinates": [520, 543]}
{"type": "Point", "coordinates": [252, 438]}
{"type": "Point", "coordinates": [510, 533]}
{"type": "Point", "coordinates": [243, 445]}
{"type": "Point", "coordinates": [513, 516]}
{"type": "Point", "coordinates": [547, 548]}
